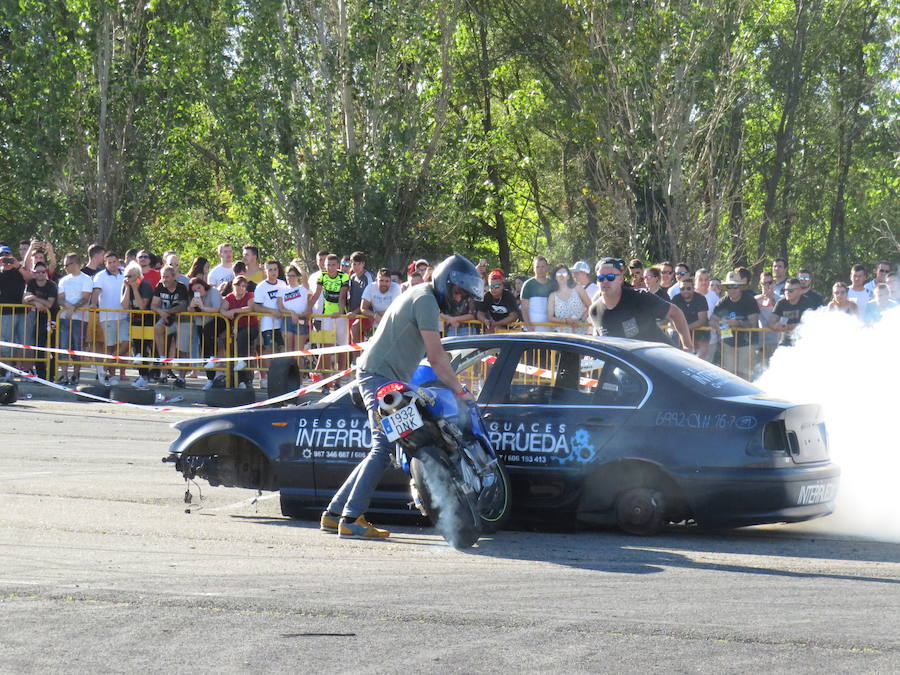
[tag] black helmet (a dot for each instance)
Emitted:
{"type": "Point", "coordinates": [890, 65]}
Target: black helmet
{"type": "Point", "coordinates": [456, 271]}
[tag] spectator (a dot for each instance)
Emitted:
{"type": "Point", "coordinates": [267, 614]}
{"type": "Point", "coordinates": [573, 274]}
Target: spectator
{"type": "Point", "coordinates": [636, 270]}
{"type": "Point", "coordinates": [321, 267]}
{"type": "Point", "coordinates": [199, 268]}
{"type": "Point", "coordinates": [95, 263]}
{"type": "Point", "coordinates": [137, 294]}
{"type": "Point", "coordinates": [482, 269]}
{"type": "Point", "coordinates": [265, 301]}
{"type": "Point", "coordinates": [40, 296]}
{"type": "Point", "coordinates": [107, 294]}
{"type": "Point", "coordinates": [41, 251]}
{"type": "Point", "coordinates": [254, 272]}
{"type": "Point", "coordinates": [130, 255]}
{"type": "Point", "coordinates": [239, 268]}
{"type": "Point", "coordinates": [428, 274]}
{"type": "Point", "coordinates": [878, 305]}
{"type": "Point", "coordinates": [696, 314]}
{"type": "Point", "coordinates": [499, 308]}
{"type": "Point", "coordinates": [882, 269]}
{"type": "Point", "coordinates": [148, 273]}
{"type": "Point", "coordinates": [334, 287]}
{"type": "Point", "coordinates": [13, 277]}
{"type": "Point", "coordinates": [171, 259]}
{"type": "Point", "coordinates": [582, 273]}
{"type": "Point", "coordinates": [736, 310]}
{"type": "Point", "coordinates": [414, 279]}
{"type": "Point", "coordinates": [667, 276]}
{"type": "Point", "coordinates": [345, 265]}
{"type": "Point", "coordinates": [766, 302]}
{"type": "Point", "coordinates": [24, 246]}
{"type": "Point", "coordinates": [682, 271]}
{"type": "Point", "coordinates": [715, 286]}
{"type": "Point", "coordinates": [779, 277]}
{"type": "Point", "coordinates": [206, 301]}
{"type": "Point", "coordinates": [536, 293]}
{"type": "Point", "coordinates": [893, 282]}
{"type": "Point", "coordinates": [236, 306]}
{"type": "Point", "coordinates": [222, 272]}
{"type": "Point", "coordinates": [378, 296]}
{"type": "Point", "coordinates": [840, 302]}
{"type": "Point", "coordinates": [360, 279]}
{"type": "Point", "coordinates": [745, 276]}
{"type": "Point", "coordinates": [170, 298]}
{"type": "Point", "coordinates": [789, 310]}
{"type": "Point", "coordinates": [653, 283]}
{"type": "Point", "coordinates": [293, 303]}
{"type": "Point", "coordinates": [621, 311]}
{"type": "Point", "coordinates": [461, 308]}
{"type": "Point", "coordinates": [518, 283]}
{"type": "Point", "coordinates": [857, 292]}
{"type": "Point", "coordinates": [74, 292]}
{"type": "Point", "coordinates": [813, 299]}
{"type": "Point", "coordinates": [568, 303]}
{"type": "Point", "coordinates": [702, 286]}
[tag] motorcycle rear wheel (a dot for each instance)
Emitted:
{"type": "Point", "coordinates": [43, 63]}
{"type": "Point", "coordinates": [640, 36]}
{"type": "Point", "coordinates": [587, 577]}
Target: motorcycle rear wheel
{"type": "Point", "coordinates": [448, 507]}
{"type": "Point", "coordinates": [495, 501]}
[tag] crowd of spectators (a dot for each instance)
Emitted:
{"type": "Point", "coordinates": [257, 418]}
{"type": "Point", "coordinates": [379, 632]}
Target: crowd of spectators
{"type": "Point", "coordinates": [273, 308]}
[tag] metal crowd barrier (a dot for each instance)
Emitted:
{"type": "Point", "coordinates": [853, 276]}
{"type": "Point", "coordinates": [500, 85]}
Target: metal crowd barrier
{"type": "Point", "coordinates": [202, 335]}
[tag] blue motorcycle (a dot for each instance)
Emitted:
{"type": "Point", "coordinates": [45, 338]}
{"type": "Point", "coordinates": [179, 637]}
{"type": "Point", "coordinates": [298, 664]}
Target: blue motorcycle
{"type": "Point", "coordinates": [456, 478]}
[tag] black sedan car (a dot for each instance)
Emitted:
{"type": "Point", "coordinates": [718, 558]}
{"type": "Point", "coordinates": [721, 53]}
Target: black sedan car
{"type": "Point", "coordinates": [593, 431]}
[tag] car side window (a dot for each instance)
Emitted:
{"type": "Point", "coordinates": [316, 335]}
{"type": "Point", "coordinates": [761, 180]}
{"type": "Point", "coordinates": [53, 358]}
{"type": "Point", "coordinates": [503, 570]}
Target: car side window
{"type": "Point", "coordinates": [548, 376]}
{"type": "Point", "coordinates": [473, 365]}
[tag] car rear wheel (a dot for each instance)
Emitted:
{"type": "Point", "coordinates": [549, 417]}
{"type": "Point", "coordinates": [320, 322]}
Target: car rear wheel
{"type": "Point", "coordinates": [641, 510]}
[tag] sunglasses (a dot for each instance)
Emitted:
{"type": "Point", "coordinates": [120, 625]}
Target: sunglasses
{"type": "Point", "coordinates": [143, 257]}
{"type": "Point", "coordinates": [666, 271]}
{"type": "Point", "coordinates": [496, 285]}
{"type": "Point", "coordinates": [802, 278]}
{"type": "Point", "coordinates": [607, 277]}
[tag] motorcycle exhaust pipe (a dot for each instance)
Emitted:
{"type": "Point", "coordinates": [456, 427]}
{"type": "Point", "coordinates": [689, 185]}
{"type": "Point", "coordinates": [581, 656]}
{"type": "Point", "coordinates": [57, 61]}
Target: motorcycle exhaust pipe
{"type": "Point", "coordinates": [391, 401]}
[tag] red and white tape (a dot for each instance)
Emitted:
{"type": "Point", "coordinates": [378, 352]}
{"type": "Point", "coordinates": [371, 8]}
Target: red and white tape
{"type": "Point", "coordinates": [258, 404]}
{"type": "Point", "coordinates": [149, 360]}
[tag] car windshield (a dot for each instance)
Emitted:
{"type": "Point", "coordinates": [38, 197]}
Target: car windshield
{"type": "Point", "coordinates": [698, 375]}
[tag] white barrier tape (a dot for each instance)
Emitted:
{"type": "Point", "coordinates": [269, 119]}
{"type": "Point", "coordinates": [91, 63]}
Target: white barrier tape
{"type": "Point", "coordinates": [258, 404]}
{"type": "Point", "coordinates": [151, 360]}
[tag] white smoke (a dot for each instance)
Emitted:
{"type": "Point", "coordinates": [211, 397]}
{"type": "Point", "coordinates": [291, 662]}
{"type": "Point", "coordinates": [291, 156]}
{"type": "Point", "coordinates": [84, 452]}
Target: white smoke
{"type": "Point", "coordinates": [853, 371]}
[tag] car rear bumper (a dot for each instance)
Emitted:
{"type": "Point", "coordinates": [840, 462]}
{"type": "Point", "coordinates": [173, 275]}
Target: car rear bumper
{"type": "Point", "coordinates": [756, 496]}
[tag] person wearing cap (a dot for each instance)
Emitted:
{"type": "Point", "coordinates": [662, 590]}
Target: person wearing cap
{"type": "Point", "coordinates": [620, 311]}
{"type": "Point", "coordinates": [13, 277]}
{"type": "Point", "coordinates": [499, 307]}
{"type": "Point", "coordinates": [736, 309]}
{"type": "Point", "coordinates": [581, 271]}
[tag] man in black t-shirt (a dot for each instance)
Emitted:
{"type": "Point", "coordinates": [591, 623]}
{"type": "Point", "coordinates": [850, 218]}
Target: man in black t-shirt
{"type": "Point", "coordinates": [736, 310]}
{"type": "Point", "coordinates": [499, 307]}
{"type": "Point", "coordinates": [169, 298]}
{"type": "Point", "coordinates": [40, 295]}
{"type": "Point", "coordinates": [789, 310]}
{"type": "Point", "coordinates": [13, 276]}
{"type": "Point", "coordinates": [621, 311]}
{"type": "Point", "coordinates": [695, 309]}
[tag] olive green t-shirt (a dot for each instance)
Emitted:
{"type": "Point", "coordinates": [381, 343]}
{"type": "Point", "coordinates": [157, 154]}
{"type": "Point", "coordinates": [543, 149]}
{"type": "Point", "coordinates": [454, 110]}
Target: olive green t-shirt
{"type": "Point", "coordinates": [397, 346]}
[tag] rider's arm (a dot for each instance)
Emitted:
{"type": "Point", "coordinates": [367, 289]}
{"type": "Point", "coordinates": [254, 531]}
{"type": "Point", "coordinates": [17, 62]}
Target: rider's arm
{"type": "Point", "coordinates": [440, 363]}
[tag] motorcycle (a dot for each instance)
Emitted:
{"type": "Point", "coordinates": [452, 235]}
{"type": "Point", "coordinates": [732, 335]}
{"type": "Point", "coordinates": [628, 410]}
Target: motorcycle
{"type": "Point", "coordinates": [456, 478]}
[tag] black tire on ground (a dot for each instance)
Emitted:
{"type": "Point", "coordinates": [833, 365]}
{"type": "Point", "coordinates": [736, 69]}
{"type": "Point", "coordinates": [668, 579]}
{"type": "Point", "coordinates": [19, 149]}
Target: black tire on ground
{"type": "Point", "coordinates": [228, 398]}
{"type": "Point", "coordinates": [133, 395]}
{"type": "Point", "coordinates": [641, 511]}
{"type": "Point", "coordinates": [9, 393]}
{"type": "Point", "coordinates": [95, 390]}
{"type": "Point", "coordinates": [495, 504]}
{"type": "Point", "coordinates": [284, 376]}
{"type": "Point", "coordinates": [450, 512]}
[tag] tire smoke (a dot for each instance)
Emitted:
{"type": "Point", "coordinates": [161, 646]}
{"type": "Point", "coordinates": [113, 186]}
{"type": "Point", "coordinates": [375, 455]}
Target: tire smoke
{"type": "Point", "coordinates": [852, 370]}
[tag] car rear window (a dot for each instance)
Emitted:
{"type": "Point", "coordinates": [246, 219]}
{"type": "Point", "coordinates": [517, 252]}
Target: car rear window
{"type": "Point", "coordinates": [698, 375]}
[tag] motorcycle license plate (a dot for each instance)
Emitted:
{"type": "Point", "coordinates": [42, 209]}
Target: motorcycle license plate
{"type": "Point", "coordinates": [402, 423]}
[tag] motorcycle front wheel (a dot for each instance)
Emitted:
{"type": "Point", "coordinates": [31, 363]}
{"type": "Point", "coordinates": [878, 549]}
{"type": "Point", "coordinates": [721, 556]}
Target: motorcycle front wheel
{"type": "Point", "coordinates": [448, 507]}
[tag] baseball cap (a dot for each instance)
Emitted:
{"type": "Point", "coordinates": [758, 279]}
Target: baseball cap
{"type": "Point", "coordinates": [421, 261]}
{"type": "Point", "coordinates": [496, 273]}
{"type": "Point", "coordinates": [5, 249]}
{"type": "Point", "coordinates": [618, 263]}
{"type": "Point", "coordinates": [581, 266]}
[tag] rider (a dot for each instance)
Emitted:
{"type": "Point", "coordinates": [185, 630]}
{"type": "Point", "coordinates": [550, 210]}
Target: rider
{"type": "Point", "coordinates": [408, 331]}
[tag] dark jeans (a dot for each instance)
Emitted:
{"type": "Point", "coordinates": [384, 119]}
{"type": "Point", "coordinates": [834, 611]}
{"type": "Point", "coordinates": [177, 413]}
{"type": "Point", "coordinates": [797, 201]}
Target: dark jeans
{"type": "Point", "coordinates": [244, 339]}
{"type": "Point", "coordinates": [208, 335]}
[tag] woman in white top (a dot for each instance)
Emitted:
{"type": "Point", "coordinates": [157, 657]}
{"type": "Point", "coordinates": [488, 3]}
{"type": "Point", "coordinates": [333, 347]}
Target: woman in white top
{"type": "Point", "coordinates": [569, 303]}
{"type": "Point", "coordinates": [293, 303]}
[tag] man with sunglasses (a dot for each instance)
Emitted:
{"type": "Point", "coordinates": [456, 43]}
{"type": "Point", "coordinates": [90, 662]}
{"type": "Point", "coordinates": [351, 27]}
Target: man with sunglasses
{"type": "Point", "coordinates": [499, 307]}
{"type": "Point", "coordinates": [621, 311]}
{"type": "Point", "coordinates": [789, 310]}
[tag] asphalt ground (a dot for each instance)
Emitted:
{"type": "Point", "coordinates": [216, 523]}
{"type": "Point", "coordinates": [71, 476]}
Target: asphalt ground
{"type": "Point", "coordinates": [102, 569]}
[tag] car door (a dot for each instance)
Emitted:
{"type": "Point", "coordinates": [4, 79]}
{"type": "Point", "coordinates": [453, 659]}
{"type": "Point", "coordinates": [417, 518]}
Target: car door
{"type": "Point", "coordinates": [555, 408]}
